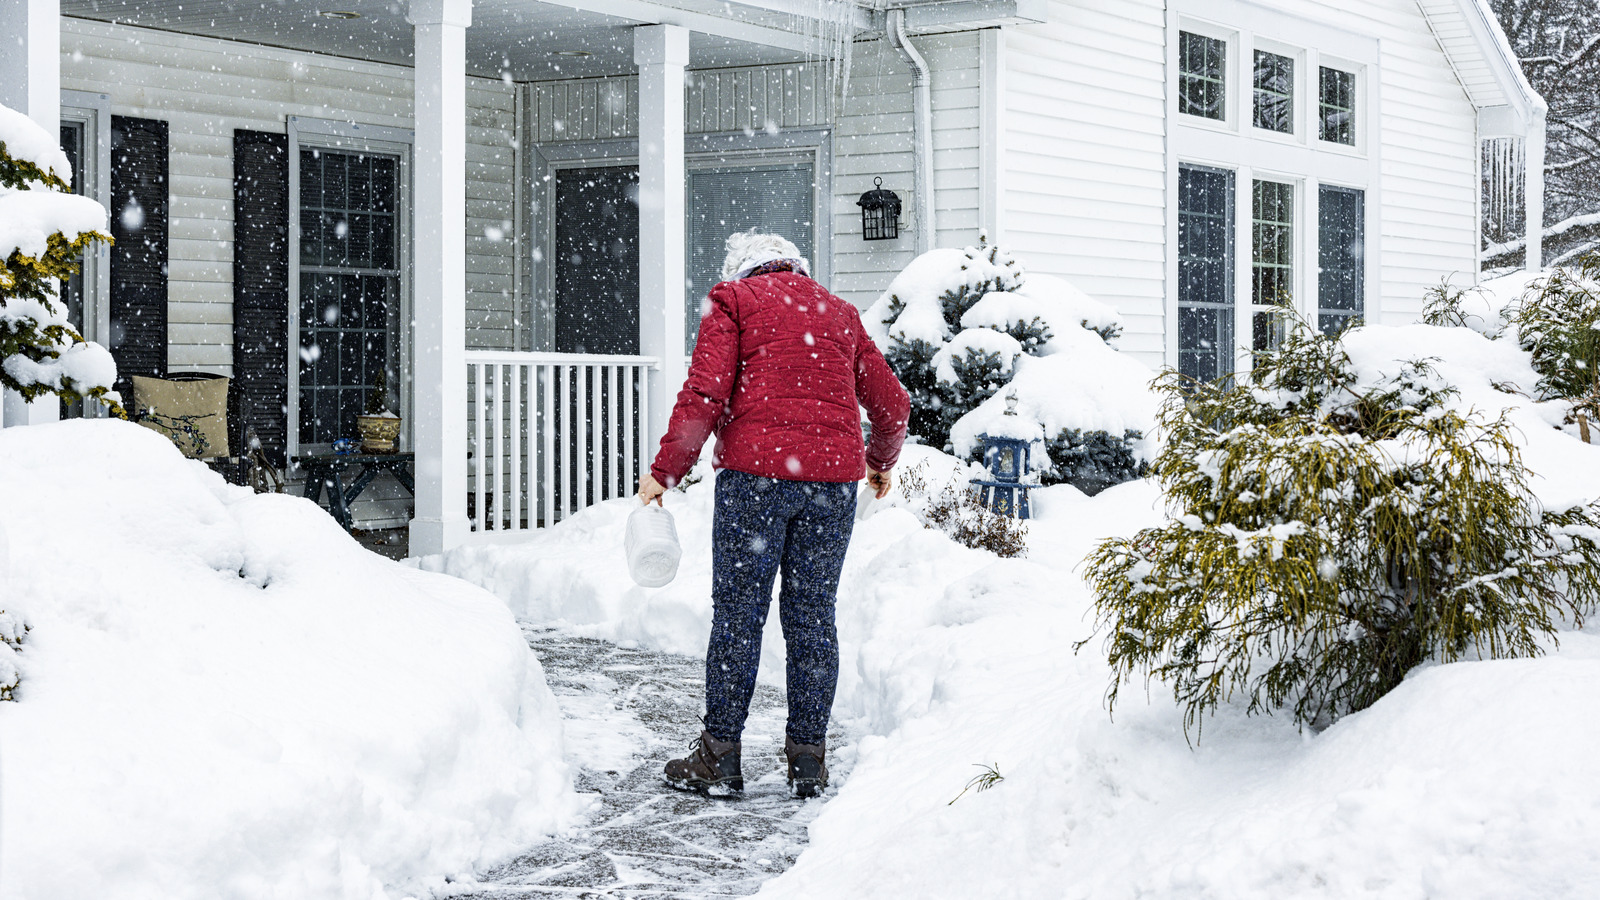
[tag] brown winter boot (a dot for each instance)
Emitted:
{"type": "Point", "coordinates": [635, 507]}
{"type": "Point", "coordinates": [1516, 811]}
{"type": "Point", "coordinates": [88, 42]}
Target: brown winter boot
{"type": "Point", "coordinates": [712, 767]}
{"type": "Point", "coordinates": [808, 774]}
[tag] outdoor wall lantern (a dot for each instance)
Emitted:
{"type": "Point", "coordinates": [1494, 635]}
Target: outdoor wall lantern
{"type": "Point", "coordinates": [1006, 458]}
{"type": "Point", "coordinates": [880, 213]}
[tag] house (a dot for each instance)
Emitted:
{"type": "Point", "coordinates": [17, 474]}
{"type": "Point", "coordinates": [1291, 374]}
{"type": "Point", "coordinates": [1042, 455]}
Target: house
{"type": "Point", "coordinates": [516, 206]}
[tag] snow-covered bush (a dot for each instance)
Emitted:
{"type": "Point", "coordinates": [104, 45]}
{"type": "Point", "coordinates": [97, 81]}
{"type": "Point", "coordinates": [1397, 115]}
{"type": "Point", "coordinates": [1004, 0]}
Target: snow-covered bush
{"type": "Point", "coordinates": [967, 329]}
{"type": "Point", "coordinates": [1329, 534]}
{"type": "Point", "coordinates": [43, 231]}
{"type": "Point", "coordinates": [1558, 322]}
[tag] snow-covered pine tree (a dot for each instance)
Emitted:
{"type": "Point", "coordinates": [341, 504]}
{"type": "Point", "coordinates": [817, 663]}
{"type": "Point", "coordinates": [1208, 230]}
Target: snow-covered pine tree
{"type": "Point", "coordinates": [959, 327]}
{"type": "Point", "coordinates": [1558, 322]}
{"type": "Point", "coordinates": [1329, 536]}
{"type": "Point", "coordinates": [43, 231]}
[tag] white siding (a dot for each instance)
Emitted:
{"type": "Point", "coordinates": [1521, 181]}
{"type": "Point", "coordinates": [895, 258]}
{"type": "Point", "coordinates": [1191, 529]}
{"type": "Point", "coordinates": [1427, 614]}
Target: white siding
{"type": "Point", "coordinates": [1084, 125]}
{"type": "Point", "coordinates": [738, 99]}
{"type": "Point", "coordinates": [874, 139]}
{"type": "Point", "coordinates": [1085, 102]}
{"type": "Point", "coordinates": [205, 88]}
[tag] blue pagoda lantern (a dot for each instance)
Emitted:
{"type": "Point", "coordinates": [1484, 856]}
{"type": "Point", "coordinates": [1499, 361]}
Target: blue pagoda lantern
{"type": "Point", "coordinates": [1006, 458]}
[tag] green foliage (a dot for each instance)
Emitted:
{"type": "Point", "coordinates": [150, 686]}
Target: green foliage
{"type": "Point", "coordinates": [1442, 306]}
{"type": "Point", "coordinates": [33, 326]}
{"type": "Point", "coordinates": [1558, 322]}
{"type": "Point", "coordinates": [988, 778]}
{"type": "Point", "coordinates": [1092, 461]}
{"type": "Point", "coordinates": [912, 361]}
{"type": "Point", "coordinates": [1329, 536]}
{"type": "Point", "coordinates": [13, 631]}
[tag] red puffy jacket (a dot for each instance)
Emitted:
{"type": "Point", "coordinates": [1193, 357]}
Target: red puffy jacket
{"type": "Point", "coordinates": [778, 371]}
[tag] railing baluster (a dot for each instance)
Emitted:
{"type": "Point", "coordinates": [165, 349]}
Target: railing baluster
{"type": "Point", "coordinates": [519, 419]}
{"type": "Point", "coordinates": [613, 433]}
{"type": "Point", "coordinates": [547, 430]}
{"type": "Point", "coordinates": [630, 475]}
{"type": "Point", "coordinates": [477, 447]}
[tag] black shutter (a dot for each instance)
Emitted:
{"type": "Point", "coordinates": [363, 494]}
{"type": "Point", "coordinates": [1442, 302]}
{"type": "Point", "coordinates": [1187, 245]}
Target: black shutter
{"type": "Point", "coordinates": [261, 288]}
{"type": "Point", "coordinates": [139, 257]}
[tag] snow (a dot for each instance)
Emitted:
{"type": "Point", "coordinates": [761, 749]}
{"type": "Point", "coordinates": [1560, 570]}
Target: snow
{"type": "Point", "coordinates": [919, 287]}
{"type": "Point", "coordinates": [1057, 303]}
{"type": "Point", "coordinates": [28, 218]}
{"type": "Point", "coordinates": [975, 340]}
{"type": "Point", "coordinates": [1471, 780]}
{"type": "Point", "coordinates": [223, 695]}
{"type": "Point", "coordinates": [26, 141]}
{"type": "Point", "coordinates": [1109, 392]}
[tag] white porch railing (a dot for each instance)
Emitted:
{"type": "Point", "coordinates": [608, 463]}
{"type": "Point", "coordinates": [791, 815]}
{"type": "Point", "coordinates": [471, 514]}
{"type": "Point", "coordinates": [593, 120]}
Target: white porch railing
{"type": "Point", "coordinates": [552, 433]}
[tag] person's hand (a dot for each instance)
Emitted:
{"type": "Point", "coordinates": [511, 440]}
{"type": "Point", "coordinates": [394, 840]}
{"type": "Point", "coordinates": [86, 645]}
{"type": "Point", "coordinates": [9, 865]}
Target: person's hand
{"type": "Point", "coordinates": [880, 481]}
{"type": "Point", "coordinates": [650, 489]}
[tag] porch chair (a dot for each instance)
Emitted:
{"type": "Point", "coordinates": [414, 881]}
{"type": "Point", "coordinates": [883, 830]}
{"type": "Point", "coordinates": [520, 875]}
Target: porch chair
{"type": "Point", "coordinates": [194, 410]}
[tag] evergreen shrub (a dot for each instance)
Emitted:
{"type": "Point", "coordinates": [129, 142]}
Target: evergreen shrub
{"type": "Point", "coordinates": [1328, 536]}
{"type": "Point", "coordinates": [40, 352]}
{"type": "Point", "coordinates": [957, 326]}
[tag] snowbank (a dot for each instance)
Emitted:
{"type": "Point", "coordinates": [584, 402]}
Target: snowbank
{"type": "Point", "coordinates": [223, 696]}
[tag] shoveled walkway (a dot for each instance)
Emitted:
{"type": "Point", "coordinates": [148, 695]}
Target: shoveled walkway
{"type": "Point", "coordinates": [627, 712]}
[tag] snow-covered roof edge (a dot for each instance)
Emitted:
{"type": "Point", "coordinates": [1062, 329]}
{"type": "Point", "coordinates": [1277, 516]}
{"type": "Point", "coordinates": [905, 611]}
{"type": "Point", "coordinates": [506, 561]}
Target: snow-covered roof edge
{"type": "Point", "coordinates": [1474, 42]}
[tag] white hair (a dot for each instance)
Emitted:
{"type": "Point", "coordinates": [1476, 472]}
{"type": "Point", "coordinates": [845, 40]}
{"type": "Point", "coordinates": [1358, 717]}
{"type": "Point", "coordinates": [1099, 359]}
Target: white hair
{"type": "Point", "coordinates": [749, 249]}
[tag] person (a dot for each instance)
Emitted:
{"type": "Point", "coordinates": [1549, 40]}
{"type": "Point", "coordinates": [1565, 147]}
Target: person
{"type": "Point", "coordinates": [778, 372]}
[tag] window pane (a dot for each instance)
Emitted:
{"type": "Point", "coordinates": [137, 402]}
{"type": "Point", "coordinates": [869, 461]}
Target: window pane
{"type": "Point", "coordinates": [346, 328]}
{"type": "Point", "coordinates": [1274, 92]}
{"type": "Point", "coordinates": [1272, 251]}
{"type": "Point", "coordinates": [1202, 89]}
{"type": "Point", "coordinates": [1205, 272]}
{"type": "Point", "coordinates": [1338, 106]}
{"type": "Point", "coordinates": [1341, 255]}
{"type": "Point", "coordinates": [597, 260]}
{"type": "Point", "coordinates": [775, 199]}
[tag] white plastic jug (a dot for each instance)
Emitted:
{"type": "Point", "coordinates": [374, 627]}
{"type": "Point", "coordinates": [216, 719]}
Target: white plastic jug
{"type": "Point", "coordinates": [651, 543]}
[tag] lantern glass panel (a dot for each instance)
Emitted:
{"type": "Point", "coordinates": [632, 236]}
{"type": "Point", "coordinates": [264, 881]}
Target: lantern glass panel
{"type": "Point", "coordinates": [1007, 463]}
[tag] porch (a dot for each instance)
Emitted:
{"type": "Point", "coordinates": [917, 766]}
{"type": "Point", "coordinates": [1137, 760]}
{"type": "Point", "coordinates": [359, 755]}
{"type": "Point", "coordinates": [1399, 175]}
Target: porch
{"type": "Point", "coordinates": [529, 391]}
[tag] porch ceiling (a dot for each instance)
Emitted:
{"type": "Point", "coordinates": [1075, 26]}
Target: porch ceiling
{"type": "Point", "coordinates": [519, 37]}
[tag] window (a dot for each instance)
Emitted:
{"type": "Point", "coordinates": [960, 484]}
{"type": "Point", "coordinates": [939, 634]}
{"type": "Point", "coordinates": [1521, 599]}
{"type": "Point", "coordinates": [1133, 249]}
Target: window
{"type": "Point", "coordinates": [1271, 260]}
{"type": "Point", "coordinates": [1205, 272]}
{"type": "Point", "coordinates": [1341, 220]}
{"type": "Point", "coordinates": [1274, 92]}
{"type": "Point", "coordinates": [349, 287]}
{"type": "Point", "coordinates": [1337, 106]}
{"type": "Point", "coordinates": [776, 199]}
{"type": "Point", "coordinates": [1202, 64]}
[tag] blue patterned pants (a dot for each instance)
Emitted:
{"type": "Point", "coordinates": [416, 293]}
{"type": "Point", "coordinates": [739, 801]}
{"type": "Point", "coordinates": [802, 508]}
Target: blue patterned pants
{"type": "Point", "coordinates": [762, 526]}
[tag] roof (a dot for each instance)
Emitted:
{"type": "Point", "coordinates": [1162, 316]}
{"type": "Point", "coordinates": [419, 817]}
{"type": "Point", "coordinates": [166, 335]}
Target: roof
{"type": "Point", "coordinates": [1485, 65]}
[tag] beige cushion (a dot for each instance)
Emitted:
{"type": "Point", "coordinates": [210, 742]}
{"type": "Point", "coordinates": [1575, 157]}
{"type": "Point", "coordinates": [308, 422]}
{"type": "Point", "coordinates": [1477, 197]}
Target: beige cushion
{"type": "Point", "coordinates": [194, 414]}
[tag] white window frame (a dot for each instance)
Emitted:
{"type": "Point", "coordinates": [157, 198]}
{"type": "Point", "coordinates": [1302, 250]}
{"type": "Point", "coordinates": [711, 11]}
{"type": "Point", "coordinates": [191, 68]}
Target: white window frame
{"type": "Point", "coordinates": [350, 137]}
{"type": "Point", "coordinates": [93, 112]}
{"type": "Point", "coordinates": [1253, 153]}
{"type": "Point", "coordinates": [1231, 87]}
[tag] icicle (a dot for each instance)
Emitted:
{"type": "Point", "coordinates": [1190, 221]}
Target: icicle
{"type": "Point", "coordinates": [1506, 158]}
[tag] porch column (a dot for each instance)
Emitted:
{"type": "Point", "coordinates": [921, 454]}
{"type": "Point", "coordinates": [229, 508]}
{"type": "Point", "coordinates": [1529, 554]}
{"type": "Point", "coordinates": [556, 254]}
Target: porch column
{"type": "Point", "coordinates": [662, 52]}
{"type": "Point", "coordinates": [1533, 191]}
{"type": "Point", "coordinates": [438, 275]}
{"type": "Point", "coordinates": [30, 82]}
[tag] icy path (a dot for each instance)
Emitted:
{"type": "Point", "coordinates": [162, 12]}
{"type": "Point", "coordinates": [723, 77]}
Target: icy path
{"type": "Point", "coordinates": [626, 713]}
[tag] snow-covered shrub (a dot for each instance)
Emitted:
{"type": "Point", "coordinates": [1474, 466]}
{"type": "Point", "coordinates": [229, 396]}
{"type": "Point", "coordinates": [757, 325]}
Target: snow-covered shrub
{"type": "Point", "coordinates": [12, 631]}
{"type": "Point", "coordinates": [43, 231]}
{"type": "Point", "coordinates": [1328, 535]}
{"type": "Point", "coordinates": [1558, 322]}
{"type": "Point", "coordinates": [966, 329]}
{"type": "Point", "coordinates": [956, 509]}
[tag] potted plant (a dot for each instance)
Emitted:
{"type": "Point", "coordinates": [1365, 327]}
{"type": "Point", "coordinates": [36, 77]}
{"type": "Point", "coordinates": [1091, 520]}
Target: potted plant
{"type": "Point", "coordinates": [379, 427]}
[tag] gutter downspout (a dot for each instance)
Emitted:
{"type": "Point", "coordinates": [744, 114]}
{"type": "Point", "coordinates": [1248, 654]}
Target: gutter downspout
{"type": "Point", "coordinates": [921, 128]}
